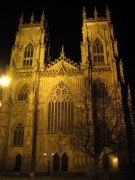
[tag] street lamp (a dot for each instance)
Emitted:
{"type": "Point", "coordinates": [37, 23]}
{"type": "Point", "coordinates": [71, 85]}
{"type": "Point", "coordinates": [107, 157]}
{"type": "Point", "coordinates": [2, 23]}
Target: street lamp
{"type": "Point", "coordinates": [48, 165]}
{"type": "Point", "coordinates": [4, 81]}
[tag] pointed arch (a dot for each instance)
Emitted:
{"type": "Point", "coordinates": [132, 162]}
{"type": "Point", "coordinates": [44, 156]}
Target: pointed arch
{"type": "Point", "coordinates": [100, 96]}
{"type": "Point", "coordinates": [60, 109]}
{"type": "Point", "coordinates": [18, 135]}
{"type": "Point", "coordinates": [64, 162]}
{"type": "Point", "coordinates": [28, 55]}
{"type": "Point", "coordinates": [101, 111]}
{"type": "Point", "coordinates": [56, 162]}
{"type": "Point", "coordinates": [18, 162]}
{"type": "Point", "coordinates": [98, 51]}
{"type": "Point", "coordinates": [23, 93]}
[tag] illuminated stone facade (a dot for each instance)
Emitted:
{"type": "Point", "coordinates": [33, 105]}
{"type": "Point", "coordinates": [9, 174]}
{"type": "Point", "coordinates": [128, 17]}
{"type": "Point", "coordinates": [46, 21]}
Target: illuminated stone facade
{"type": "Point", "coordinates": [38, 108]}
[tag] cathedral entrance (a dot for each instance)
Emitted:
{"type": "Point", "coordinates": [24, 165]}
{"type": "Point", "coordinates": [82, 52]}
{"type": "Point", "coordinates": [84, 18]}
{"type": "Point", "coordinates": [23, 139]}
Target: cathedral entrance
{"type": "Point", "coordinates": [18, 162]}
{"type": "Point", "coordinates": [60, 164]}
{"type": "Point", "coordinates": [56, 163]}
{"type": "Point", "coordinates": [64, 162]}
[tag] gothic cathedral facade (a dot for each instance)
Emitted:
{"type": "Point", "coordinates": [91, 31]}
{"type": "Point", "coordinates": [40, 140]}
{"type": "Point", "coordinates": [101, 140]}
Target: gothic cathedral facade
{"type": "Point", "coordinates": [39, 108]}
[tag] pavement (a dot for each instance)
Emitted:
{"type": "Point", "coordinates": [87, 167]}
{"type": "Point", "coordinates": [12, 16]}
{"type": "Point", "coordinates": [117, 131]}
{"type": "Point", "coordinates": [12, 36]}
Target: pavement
{"type": "Point", "coordinates": [42, 178]}
{"type": "Point", "coordinates": [20, 177]}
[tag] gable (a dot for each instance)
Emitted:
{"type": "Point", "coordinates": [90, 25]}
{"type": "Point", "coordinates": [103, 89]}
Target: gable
{"type": "Point", "coordinates": [62, 67]}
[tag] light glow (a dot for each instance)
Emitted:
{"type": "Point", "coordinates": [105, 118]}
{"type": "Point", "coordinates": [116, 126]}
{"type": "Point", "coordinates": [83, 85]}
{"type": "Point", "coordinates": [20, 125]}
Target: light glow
{"type": "Point", "coordinates": [115, 159]}
{"type": "Point", "coordinates": [4, 81]}
{"type": "Point", "coordinates": [115, 163]}
{"type": "Point", "coordinates": [45, 154]}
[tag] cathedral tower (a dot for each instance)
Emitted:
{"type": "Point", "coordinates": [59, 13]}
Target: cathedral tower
{"type": "Point", "coordinates": [30, 49]}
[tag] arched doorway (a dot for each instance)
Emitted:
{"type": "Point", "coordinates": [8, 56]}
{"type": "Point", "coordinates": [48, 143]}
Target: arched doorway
{"type": "Point", "coordinates": [64, 162]}
{"type": "Point", "coordinates": [18, 162]}
{"type": "Point", "coordinates": [56, 162]}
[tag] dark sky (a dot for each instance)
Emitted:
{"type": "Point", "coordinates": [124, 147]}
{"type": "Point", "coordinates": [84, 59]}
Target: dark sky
{"type": "Point", "coordinates": [65, 21]}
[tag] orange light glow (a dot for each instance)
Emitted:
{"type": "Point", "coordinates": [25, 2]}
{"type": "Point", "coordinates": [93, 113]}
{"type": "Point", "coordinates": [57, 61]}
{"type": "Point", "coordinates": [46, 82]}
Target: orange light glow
{"type": "Point", "coordinates": [4, 81]}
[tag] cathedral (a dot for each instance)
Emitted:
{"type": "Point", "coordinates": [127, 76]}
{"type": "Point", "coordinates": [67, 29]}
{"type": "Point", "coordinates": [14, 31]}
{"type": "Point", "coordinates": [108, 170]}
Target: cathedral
{"type": "Point", "coordinates": [48, 99]}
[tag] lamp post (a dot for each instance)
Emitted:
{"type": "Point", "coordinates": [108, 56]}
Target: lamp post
{"type": "Point", "coordinates": [48, 164]}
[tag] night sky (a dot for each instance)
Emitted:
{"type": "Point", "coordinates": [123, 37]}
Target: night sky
{"type": "Point", "coordinates": [65, 21]}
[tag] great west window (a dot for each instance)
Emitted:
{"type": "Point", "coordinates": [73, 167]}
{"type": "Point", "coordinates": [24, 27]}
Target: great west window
{"type": "Point", "coordinates": [60, 109]}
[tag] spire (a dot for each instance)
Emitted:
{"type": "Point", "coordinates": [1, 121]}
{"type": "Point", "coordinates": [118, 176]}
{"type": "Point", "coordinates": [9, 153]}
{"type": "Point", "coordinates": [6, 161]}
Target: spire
{"type": "Point", "coordinates": [42, 17]}
{"type": "Point", "coordinates": [107, 13]}
{"type": "Point", "coordinates": [95, 13]}
{"type": "Point", "coordinates": [32, 18]}
{"type": "Point", "coordinates": [84, 14]}
{"type": "Point", "coordinates": [21, 20]}
{"type": "Point", "coordinates": [62, 54]}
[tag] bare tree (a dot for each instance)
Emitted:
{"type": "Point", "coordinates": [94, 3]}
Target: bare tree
{"type": "Point", "coordinates": [99, 128]}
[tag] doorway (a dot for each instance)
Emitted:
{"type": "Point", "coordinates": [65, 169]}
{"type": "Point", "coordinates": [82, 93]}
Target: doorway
{"type": "Point", "coordinates": [18, 162]}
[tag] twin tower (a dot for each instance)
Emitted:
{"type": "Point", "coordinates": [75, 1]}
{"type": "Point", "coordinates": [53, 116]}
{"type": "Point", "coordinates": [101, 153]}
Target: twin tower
{"type": "Point", "coordinates": [47, 98]}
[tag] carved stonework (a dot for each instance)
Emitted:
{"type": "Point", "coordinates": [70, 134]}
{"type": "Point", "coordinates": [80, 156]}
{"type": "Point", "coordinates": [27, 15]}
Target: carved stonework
{"type": "Point", "coordinates": [48, 97]}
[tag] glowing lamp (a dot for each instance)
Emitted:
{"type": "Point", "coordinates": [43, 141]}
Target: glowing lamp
{"type": "Point", "coordinates": [4, 81]}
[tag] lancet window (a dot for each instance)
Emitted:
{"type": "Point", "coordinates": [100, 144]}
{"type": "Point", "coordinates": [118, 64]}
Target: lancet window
{"type": "Point", "coordinates": [28, 55]}
{"type": "Point", "coordinates": [98, 51]}
{"type": "Point", "coordinates": [23, 93]}
{"type": "Point", "coordinates": [18, 135]}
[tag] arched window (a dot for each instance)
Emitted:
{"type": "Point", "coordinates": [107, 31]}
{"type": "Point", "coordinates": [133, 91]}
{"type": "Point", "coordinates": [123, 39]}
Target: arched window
{"type": "Point", "coordinates": [18, 135]}
{"type": "Point", "coordinates": [100, 98]}
{"type": "Point", "coordinates": [98, 51]}
{"type": "Point", "coordinates": [60, 109]}
{"type": "Point", "coordinates": [28, 55]}
{"type": "Point", "coordinates": [101, 111]}
{"type": "Point", "coordinates": [23, 93]}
